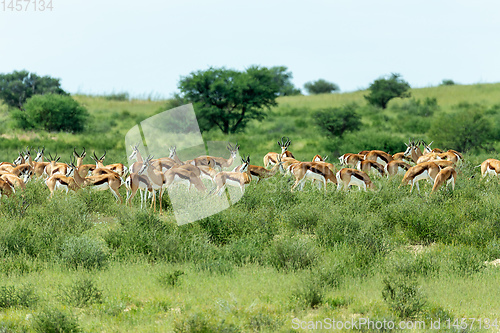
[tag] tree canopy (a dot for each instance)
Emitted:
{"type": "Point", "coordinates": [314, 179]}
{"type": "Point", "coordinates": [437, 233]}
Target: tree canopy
{"type": "Point", "coordinates": [337, 121]}
{"type": "Point", "coordinates": [320, 87]}
{"type": "Point", "coordinates": [384, 89]}
{"type": "Point", "coordinates": [228, 99]}
{"type": "Point", "coordinates": [18, 86]}
{"type": "Point", "coordinates": [52, 112]}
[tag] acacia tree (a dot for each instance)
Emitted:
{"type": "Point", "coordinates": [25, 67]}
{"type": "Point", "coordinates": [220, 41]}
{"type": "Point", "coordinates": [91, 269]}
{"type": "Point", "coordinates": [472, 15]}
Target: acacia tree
{"type": "Point", "coordinates": [385, 89]}
{"type": "Point", "coordinates": [320, 87]}
{"type": "Point", "coordinates": [18, 86]}
{"type": "Point", "coordinates": [228, 99]}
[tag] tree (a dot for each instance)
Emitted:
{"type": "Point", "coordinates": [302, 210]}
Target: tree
{"type": "Point", "coordinates": [52, 112]}
{"type": "Point", "coordinates": [228, 99]}
{"type": "Point", "coordinates": [337, 121]}
{"type": "Point", "coordinates": [284, 81]}
{"type": "Point", "coordinates": [18, 86]}
{"type": "Point", "coordinates": [320, 87]}
{"type": "Point", "coordinates": [383, 90]}
{"type": "Point", "coordinates": [463, 129]}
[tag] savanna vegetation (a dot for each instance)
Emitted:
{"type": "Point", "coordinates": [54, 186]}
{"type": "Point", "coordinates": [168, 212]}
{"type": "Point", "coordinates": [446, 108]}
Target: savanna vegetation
{"type": "Point", "coordinates": [81, 262]}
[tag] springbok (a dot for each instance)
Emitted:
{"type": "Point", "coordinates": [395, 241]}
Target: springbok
{"type": "Point", "coordinates": [271, 158]}
{"type": "Point", "coordinates": [111, 181]}
{"type": "Point", "coordinates": [83, 169]}
{"type": "Point", "coordinates": [259, 173]}
{"type": "Point", "coordinates": [5, 188]}
{"type": "Point", "coordinates": [396, 167]}
{"type": "Point", "coordinates": [119, 168]}
{"type": "Point", "coordinates": [349, 176]}
{"type": "Point", "coordinates": [219, 162]}
{"type": "Point", "coordinates": [378, 156]}
{"type": "Point", "coordinates": [445, 176]}
{"type": "Point", "coordinates": [62, 182]}
{"type": "Point", "coordinates": [369, 165]}
{"type": "Point", "coordinates": [314, 171]}
{"type": "Point", "coordinates": [240, 179]}
{"type": "Point", "coordinates": [351, 159]}
{"type": "Point", "coordinates": [426, 170]}
{"type": "Point", "coordinates": [490, 167]}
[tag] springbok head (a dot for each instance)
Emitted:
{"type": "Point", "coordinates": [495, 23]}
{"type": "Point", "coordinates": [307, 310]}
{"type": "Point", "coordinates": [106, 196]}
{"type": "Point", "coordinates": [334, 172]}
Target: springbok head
{"type": "Point", "coordinates": [99, 161]}
{"type": "Point", "coordinates": [284, 144]}
{"type": "Point", "coordinates": [172, 151]}
{"type": "Point", "coordinates": [135, 151]}
{"type": "Point", "coordinates": [233, 149]}
{"type": "Point", "coordinates": [39, 154]}
{"type": "Point", "coordinates": [245, 163]}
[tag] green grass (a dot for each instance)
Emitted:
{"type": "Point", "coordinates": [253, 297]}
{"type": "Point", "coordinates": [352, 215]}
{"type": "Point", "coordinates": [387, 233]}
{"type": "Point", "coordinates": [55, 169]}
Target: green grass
{"type": "Point", "coordinates": [95, 265]}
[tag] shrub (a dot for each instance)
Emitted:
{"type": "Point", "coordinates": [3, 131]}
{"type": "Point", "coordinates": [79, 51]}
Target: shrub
{"type": "Point", "coordinates": [403, 295]}
{"type": "Point", "coordinates": [463, 129]}
{"type": "Point", "coordinates": [82, 292]}
{"type": "Point", "coordinates": [337, 121]}
{"type": "Point", "coordinates": [170, 279]}
{"type": "Point", "coordinates": [11, 296]}
{"type": "Point", "coordinates": [198, 323]}
{"type": "Point", "coordinates": [52, 113]}
{"type": "Point", "coordinates": [54, 320]}
{"type": "Point", "coordinates": [84, 252]}
{"type": "Point", "coordinates": [384, 89]}
{"type": "Point", "coordinates": [292, 253]}
{"type": "Point", "coordinates": [447, 82]}
{"type": "Point", "coordinates": [310, 293]}
{"type": "Point", "coordinates": [416, 107]}
{"type": "Point", "coordinates": [320, 87]}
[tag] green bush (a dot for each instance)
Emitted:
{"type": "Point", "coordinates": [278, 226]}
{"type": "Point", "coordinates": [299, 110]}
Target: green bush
{"type": "Point", "coordinates": [170, 279]}
{"type": "Point", "coordinates": [310, 293]}
{"type": "Point", "coordinates": [82, 292]}
{"type": "Point", "coordinates": [383, 90]}
{"type": "Point", "coordinates": [403, 295]}
{"type": "Point", "coordinates": [337, 121]}
{"type": "Point", "coordinates": [291, 253]}
{"type": "Point", "coordinates": [85, 252]}
{"type": "Point", "coordinates": [464, 129]}
{"type": "Point", "coordinates": [55, 321]}
{"type": "Point", "coordinates": [11, 296]}
{"type": "Point", "coordinates": [52, 112]}
{"type": "Point", "coordinates": [320, 87]}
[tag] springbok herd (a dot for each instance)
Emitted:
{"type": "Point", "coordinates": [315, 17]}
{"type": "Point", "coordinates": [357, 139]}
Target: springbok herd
{"type": "Point", "coordinates": [148, 175]}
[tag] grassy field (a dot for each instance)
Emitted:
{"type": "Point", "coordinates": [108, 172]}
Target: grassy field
{"type": "Point", "coordinates": [82, 262]}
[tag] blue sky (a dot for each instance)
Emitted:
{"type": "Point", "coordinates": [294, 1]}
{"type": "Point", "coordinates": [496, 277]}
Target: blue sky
{"type": "Point", "coordinates": [145, 47]}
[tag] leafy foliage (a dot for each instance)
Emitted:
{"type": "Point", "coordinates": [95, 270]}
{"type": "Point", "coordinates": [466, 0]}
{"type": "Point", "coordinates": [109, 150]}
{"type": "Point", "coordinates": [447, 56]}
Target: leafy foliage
{"type": "Point", "coordinates": [53, 113]}
{"type": "Point", "coordinates": [384, 89]}
{"type": "Point", "coordinates": [18, 86]}
{"type": "Point", "coordinates": [284, 81]}
{"type": "Point", "coordinates": [11, 296]}
{"type": "Point", "coordinates": [447, 82]}
{"type": "Point", "coordinates": [85, 252]}
{"type": "Point", "coordinates": [463, 129]}
{"type": "Point", "coordinates": [82, 292]}
{"type": "Point", "coordinates": [228, 99]}
{"type": "Point", "coordinates": [56, 321]}
{"type": "Point", "coordinates": [337, 121]}
{"type": "Point", "coordinates": [320, 86]}
{"type": "Point", "coordinates": [403, 295]}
